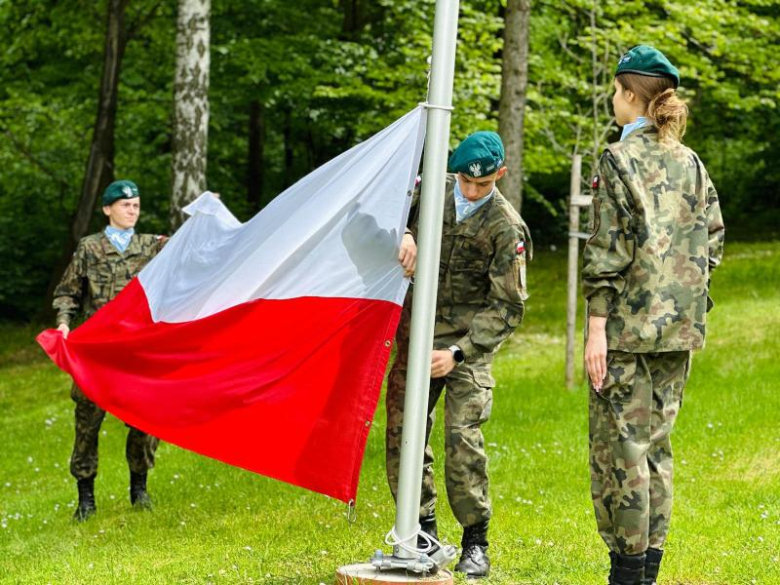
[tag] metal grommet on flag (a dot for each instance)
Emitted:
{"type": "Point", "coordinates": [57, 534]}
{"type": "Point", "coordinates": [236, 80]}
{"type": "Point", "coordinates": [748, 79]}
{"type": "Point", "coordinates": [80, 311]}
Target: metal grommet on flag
{"type": "Point", "coordinates": [351, 512]}
{"type": "Point", "coordinates": [388, 343]}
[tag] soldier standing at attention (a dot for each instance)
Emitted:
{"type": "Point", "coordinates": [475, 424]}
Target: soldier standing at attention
{"type": "Point", "coordinates": [479, 304]}
{"type": "Point", "coordinates": [657, 236]}
{"type": "Point", "coordinates": [103, 264]}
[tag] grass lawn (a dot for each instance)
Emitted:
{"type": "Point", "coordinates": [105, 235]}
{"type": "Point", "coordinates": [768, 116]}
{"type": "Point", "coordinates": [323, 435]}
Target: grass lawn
{"type": "Point", "coordinates": [217, 524]}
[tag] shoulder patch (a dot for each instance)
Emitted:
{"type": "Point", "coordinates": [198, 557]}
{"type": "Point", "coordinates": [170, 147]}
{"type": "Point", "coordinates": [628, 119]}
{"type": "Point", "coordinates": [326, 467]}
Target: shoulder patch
{"type": "Point", "coordinates": [595, 183]}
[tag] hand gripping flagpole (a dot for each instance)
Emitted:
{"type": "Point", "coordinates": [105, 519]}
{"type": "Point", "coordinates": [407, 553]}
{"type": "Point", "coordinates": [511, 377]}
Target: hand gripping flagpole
{"type": "Point", "coordinates": [404, 535]}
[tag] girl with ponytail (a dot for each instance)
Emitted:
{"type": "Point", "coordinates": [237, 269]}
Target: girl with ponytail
{"type": "Point", "coordinates": [657, 236]}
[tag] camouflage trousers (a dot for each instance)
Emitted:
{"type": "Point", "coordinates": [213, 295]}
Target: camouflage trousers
{"type": "Point", "coordinates": [139, 450]}
{"type": "Point", "coordinates": [630, 447]}
{"type": "Point", "coordinates": [467, 404]}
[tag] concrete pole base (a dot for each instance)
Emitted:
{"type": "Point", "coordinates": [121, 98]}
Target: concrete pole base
{"type": "Point", "coordinates": [367, 574]}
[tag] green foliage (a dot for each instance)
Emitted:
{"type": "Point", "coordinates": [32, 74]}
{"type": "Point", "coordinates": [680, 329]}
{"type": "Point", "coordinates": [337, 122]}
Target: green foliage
{"type": "Point", "coordinates": [218, 524]}
{"type": "Point", "coordinates": [327, 75]}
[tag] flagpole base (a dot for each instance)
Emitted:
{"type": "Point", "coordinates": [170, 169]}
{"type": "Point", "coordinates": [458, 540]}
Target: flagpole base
{"type": "Point", "coordinates": [368, 574]}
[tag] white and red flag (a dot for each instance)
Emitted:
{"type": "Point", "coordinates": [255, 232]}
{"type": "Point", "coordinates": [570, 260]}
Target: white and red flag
{"type": "Point", "coordinates": [264, 344]}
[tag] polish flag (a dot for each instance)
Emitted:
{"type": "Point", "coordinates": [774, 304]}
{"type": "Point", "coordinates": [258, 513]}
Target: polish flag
{"type": "Point", "coordinates": [264, 344]}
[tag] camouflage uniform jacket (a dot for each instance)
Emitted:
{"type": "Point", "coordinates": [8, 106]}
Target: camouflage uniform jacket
{"type": "Point", "coordinates": [98, 272]}
{"type": "Point", "coordinates": [482, 284]}
{"type": "Point", "coordinates": [657, 236]}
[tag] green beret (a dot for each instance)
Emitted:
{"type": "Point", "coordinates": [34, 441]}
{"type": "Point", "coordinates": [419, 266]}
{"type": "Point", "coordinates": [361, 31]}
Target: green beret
{"type": "Point", "coordinates": [478, 155]}
{"type": "Point", "coordinates": [120, 190]}
{"type": "Point", "coordinates": [645, 60]}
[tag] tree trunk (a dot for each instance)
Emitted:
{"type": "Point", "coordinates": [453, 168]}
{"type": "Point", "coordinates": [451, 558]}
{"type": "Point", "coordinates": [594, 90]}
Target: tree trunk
{"type": "Point", "coordinates": [191, 105]}
{"type": "Point", "coordinates": [100, 164]}
{"type": "Point", "coordinates": [511, 109]}
{"type": "Point", "coordinates": [255, 170]}
{"type": "Point", "coordinates": [289, 154]}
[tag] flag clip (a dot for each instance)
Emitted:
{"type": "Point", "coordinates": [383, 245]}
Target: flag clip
{"type": "Point", "coordinates": [351, 512]}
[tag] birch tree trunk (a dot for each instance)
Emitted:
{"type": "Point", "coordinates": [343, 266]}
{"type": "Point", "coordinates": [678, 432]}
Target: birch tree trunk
{"type": "Point", "coordinates": [191, 105]}
{"type": "Point", "coordinates": [511, 108]}
{"type": "Point", "coordinates": [100, 164]}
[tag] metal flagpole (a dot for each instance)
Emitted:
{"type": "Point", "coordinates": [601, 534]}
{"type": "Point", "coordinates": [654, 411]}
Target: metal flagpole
{"type": "Point", "coordinates": [424, 300]}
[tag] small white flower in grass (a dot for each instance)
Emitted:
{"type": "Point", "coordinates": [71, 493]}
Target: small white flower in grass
{"type": "Point", "coordinates": [175, 476]}
{"type": "Point", "coordinates": [375, 514]}
{"type": "Point", "coordinates": [710, 426]}
{"type": "Point", "coordinates": [538, 541]}
{"type": "Point", "coordinates": [323, 552]}
{"type": "Point", "coordinates": [37, 469]}
{"type": "Point", "coordinates": [8, 484]}
{"type": "Point", "coordinates": [29, 459]}
{"type": "Point", "coordinates": [182, 523]}
{"type": "Point", "coordinates": [492, 444]}
{"type": "Point", "coordinates": [248, 548]}
{"type": "Point", "coordinates": [91, 566]}
{"type": "Point", "coordinates": [56, 465]}
{"type": "Point", "coordinates": [194, 506]}
{"type": "Point", "coordinates": [104, 433]}
{"type": "Point", "coordinates": [764, 515]}
{"type": "Point", "coordinates": [760, 539]}
{"type": "Point", "coordinates": [111, 497]}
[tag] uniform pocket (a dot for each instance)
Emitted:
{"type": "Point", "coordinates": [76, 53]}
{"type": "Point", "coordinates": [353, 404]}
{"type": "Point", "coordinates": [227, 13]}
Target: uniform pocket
{"type": "Point", "coordinates": [621, 371]}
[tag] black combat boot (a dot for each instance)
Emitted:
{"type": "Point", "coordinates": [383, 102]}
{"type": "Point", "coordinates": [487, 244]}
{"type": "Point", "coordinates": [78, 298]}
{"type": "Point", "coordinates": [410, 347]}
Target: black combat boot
{"type": "Point", "coordinates": [612, 560]}
{"type": "Point", "coordinates": [86, 507]}
{"type": "Point", "coordinates": [652, 565]}
{"type": "Point", "coordinates": [139, 498]}
{"type": "Point", "coordinates": [628, 570]}
{"type": "Point", "coordinates": [474, 561]}
{"type": "Point", "coordinates": [428, 526]}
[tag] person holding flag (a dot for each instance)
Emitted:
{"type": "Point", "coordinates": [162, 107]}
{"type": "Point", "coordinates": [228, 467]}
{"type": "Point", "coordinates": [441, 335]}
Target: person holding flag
{"type": "Point", "coordinates": [481, 294]}
{"type": "Point", "coordinates": [103, 264]}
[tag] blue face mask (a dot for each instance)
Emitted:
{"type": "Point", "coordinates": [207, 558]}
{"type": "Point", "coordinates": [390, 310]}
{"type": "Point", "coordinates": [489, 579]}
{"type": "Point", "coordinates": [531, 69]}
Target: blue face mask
{"type": "Point", "coordinates": [629, 128]}
{"type": "Point", "coordinates": [119, 238]}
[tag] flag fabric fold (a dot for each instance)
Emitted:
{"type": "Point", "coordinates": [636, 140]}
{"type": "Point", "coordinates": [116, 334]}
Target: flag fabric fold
{"type": "Point", "coordinates": [264, 344]}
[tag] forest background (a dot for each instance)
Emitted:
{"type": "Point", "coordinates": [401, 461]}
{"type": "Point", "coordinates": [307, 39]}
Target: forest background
{"type": "Point", "coordinates": [292, 84]}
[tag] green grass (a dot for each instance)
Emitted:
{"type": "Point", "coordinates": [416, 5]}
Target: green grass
{"type": "Point", "coordinates": [217, 524]}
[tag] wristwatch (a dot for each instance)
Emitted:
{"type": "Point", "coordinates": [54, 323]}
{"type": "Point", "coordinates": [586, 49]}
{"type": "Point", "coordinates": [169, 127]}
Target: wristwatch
{"type": "Point", "coordinates": [457, 354]}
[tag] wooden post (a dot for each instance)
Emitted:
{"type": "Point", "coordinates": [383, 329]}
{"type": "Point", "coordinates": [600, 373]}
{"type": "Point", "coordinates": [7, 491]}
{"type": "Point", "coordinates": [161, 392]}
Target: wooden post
{"type": "Point", "coordinates": [575, 202]}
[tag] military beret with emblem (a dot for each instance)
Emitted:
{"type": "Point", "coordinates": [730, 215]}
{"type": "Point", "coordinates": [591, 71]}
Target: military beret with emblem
{"type": "Point", "coordinates": [645, 60]}
{"type": "Point", "coordinates": [480, 154]}
{"type": "Point", "coordinates": [120, 190]}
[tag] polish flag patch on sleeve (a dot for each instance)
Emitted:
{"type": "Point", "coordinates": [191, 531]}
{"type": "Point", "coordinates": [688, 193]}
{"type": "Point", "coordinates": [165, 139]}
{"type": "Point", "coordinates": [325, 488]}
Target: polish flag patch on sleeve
{"type": "Point", "coordinates": [520, 249]}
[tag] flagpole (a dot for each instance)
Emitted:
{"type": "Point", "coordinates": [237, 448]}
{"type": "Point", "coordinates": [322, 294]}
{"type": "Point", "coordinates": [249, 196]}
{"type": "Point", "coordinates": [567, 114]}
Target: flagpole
{"type": "Point", "coordinates": [427, 274]}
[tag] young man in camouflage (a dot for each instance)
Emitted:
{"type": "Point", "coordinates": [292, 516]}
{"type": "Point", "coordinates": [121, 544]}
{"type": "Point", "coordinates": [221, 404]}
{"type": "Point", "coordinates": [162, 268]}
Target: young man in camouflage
{"type": "Point", "coordinates": [479, 304]}
{"type": "Point", "coordinates": [657, 236]}
{"type": "Point", "coordinates": [103, 264]}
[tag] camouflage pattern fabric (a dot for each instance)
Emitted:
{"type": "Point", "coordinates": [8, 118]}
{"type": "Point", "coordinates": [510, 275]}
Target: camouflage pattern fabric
{"type": "Point", "coordinates": [468, 402]}
{"type": "Point", "coordinates": [139, 451]}
{"type": "Point", "coordinates": [630, 448]}
{"type": "Point", "coordinates": [482, 274]}
{"type": "Point", "coordinates": [480, 303]}
{"type": "Point", "coordinates": [657, 235]}
{"type": "Point", "coordinates": [99, 272]}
